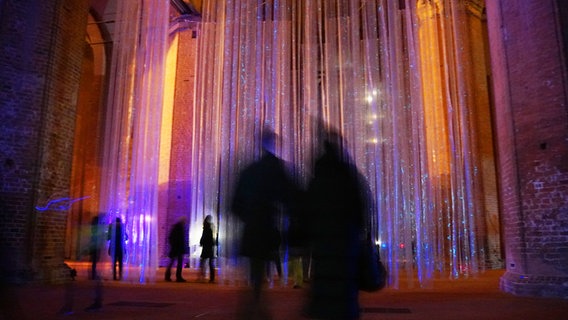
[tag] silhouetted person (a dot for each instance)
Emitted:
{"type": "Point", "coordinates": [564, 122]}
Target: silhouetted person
{"type": "Point", "coordinates": [177, 239]}
{"type": "Point", "coordinates": [208, 243]}
{"type": "Point", "coordinates": [96, 244]}
{"type": "Point", "coordinates": [262, 187]}
{"type": "Point", "coordinates": [118, 238]}
{"type": "Point", "coordinates": [337, 206]}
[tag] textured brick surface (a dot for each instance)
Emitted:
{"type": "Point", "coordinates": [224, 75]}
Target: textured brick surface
{"type": "Point", "coordinates": [40, 64]}
{"type": "Point", "coordinates": [531, 119]}
{"type": "Point", "coordinates": [180, 191]}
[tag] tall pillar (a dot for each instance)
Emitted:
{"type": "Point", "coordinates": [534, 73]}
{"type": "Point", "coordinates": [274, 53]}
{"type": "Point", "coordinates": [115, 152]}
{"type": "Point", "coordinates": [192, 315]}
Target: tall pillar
{"type": "Point", "coordinates": [182, 142]}
{"type": "Point", "coordinates": [531, 121]}
{"type": "Point", "coordinates": [40, 67]}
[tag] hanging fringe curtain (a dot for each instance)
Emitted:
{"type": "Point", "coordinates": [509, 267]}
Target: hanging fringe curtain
{"type": "Point", "coordinates": [390, 76]}
{"type": "Point", "coordinates": [370, 69]}
{"type": "Point", "coordinates": [130, 175]}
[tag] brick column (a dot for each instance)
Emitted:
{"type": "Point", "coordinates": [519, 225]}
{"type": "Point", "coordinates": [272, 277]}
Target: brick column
{"type": "Point", "coordinates": [531, 121]}
{"type": "Point", "coordinates": [40, 66]}
{"type": "Point", "coordinates": [180, 182]}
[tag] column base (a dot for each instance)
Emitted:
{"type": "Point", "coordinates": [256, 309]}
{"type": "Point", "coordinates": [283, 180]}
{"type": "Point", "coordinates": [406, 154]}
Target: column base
{"type": "Point", "coordinates": [534, 285]}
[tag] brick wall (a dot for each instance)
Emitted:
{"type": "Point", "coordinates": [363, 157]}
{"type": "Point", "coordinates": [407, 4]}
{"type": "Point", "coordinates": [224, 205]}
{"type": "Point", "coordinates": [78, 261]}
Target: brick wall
{"type": "Point", "coordinates": [40, 65]}
{"type": "Point", "coordinates": [532, 129]}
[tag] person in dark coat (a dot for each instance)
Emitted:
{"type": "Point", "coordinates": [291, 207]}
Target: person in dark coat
{"type": "Point", "coordinates": [337, 207]}
{"type": "Point", "coordinates": [261, 189]}
{"type": "Point", "coordinates": [208, 243]}
{"type": "Point", "coordinates": [118, 238]}
{"type": "Point", "coordinates": [177, 239]}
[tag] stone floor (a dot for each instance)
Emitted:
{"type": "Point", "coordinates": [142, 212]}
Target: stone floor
{"type": "Point", "coordinates": [473, 298]}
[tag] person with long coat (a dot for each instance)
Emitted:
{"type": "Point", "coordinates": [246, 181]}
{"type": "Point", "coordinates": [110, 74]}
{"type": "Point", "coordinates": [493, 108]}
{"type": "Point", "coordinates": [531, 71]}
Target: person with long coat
{"type": "Point", "coordinates": [177, 239]}
{"type": "Point", "coordinates": [262, 188]}
{"type": "Point", "coordinates": [118, 237]}
{"type": "Point", "coordinates": [337, 208]}
{"type": "Point", "coordinates": [207, 243]}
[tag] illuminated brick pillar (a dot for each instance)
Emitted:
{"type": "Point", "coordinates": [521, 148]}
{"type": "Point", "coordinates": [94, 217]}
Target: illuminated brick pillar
{"type": "Point", "coordinates": [530, 94]}
{"type": "Point", "coordinates": [179, 184]}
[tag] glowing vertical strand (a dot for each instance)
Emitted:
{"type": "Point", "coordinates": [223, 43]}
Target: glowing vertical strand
{"type": "Point", "coordinates": [227, 154]}
{"type": "Point", "coordinates": [309, 81]}
{"type": "Point", "coordinates": [459, 251]}
{"type": "Point", "coordinates": [424, 254]}
{"type": "Point", "coordinates": [226, 92]}
{"type": "Point", "coordinates": [201, 98]}
{"type": "Point", "coordinates": [384, 170]}
{"type": "Point", "coordinates": [454, 211]}
{"type": "Point", "coordinates": [396, 107]}
{"type": "Point", "coordinates": [472, 213]}
{"type": "Point", "coordinates": [370, 56]}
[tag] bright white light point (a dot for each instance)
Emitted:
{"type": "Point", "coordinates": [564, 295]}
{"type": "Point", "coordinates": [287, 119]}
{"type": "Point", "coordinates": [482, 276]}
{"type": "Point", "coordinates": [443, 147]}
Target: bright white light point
{"type": "Point", "coordinates": [369, 98]}
{"type": "Point", "coordinates": [375, 92]}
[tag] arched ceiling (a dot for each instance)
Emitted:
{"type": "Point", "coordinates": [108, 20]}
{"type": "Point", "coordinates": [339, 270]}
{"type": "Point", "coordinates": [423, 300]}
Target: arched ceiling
{"type": "Point", "coordinates": [196, 4]}
{"type": "Point", "coordinates": [185, 7]}
{"type": "Point", "coordinates": [100, 7]}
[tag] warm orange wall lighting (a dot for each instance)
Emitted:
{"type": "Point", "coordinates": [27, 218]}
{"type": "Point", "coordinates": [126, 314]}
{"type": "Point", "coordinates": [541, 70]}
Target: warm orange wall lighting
{"type": "Point", "coordinates": [433, 74]}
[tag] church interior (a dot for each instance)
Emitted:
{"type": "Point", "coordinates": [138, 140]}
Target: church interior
{"type": "Point", "coordinates": [454, 111]}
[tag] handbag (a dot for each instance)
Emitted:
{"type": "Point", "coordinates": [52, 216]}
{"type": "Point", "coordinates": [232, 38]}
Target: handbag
{"type": "Point", "coordinates": [372, 272]}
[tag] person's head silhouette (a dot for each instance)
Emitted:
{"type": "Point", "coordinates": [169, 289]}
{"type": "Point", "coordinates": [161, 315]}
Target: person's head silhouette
{"type": "Point", "coordinates": [268, 140]}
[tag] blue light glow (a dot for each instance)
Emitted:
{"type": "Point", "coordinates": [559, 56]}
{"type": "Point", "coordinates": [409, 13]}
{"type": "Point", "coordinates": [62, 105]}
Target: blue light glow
{"type": "Point", "coordinates": [61, 204]}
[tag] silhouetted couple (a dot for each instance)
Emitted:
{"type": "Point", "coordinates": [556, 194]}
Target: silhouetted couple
{"type": "Point", "coordinates": [179, 247]}
{"type": "Point", "coordinates": [331, 216]}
